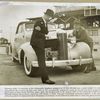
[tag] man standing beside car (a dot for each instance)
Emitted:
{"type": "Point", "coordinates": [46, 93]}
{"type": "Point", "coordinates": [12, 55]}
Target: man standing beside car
{"type": "Point", "coordinates": [38, 43]}
{"type": "Point", "coordinates": [82, 36]}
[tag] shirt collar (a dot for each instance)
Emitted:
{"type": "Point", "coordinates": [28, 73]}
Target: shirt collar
{"type": "Point", "coordinates": [44, 20]}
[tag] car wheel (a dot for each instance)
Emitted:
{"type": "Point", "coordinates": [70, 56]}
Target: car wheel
{"type": "Point", "coordinates": [29, 69]}
{"type": "Point", "coordinates": [87, 68]}
{"type": "Point", "coordinates": [82, 68]}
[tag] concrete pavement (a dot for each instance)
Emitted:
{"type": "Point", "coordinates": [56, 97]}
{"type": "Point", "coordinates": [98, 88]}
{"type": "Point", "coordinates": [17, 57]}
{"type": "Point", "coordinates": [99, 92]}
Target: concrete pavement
{"type": "Point", "coordinates": [13, 74]}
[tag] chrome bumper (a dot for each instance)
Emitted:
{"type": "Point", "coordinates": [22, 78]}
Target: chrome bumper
{"type": "Point", "coordinates": [60, 63]}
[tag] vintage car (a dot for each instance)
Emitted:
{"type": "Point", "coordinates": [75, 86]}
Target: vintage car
{"type": "Point", "coordinates": [61, 49]}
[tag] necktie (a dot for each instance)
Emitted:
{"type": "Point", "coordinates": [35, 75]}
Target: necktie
{"type": "Point", "coordinates": [46, 25]}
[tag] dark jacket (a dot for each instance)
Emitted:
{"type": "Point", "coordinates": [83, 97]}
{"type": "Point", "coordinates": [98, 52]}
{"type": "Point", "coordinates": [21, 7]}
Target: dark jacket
{"type": "Point", "coordinates": [38, 35]}
{"type": "Point", "coordinates": [83, 36]}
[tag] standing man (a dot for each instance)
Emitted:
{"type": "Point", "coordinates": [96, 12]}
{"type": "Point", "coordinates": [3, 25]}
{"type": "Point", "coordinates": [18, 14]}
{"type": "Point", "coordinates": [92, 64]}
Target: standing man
{"type": "Point", "coordinates": [82, 36]}
{"type": "Point", "coordinates": [38, 43]}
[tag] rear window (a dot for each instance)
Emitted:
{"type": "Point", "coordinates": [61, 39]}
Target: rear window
{"type": "Point", "coordinates": [29, 26]}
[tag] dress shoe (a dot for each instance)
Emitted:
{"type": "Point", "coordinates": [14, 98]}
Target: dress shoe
{"type": "Point", "coordinates": [48, 82]}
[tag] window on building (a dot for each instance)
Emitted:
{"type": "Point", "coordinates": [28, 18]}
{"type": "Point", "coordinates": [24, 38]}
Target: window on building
{"type": "Point", "coordinates": [93, 11]}
{"type": "Point", "coordinates": [90, 10]}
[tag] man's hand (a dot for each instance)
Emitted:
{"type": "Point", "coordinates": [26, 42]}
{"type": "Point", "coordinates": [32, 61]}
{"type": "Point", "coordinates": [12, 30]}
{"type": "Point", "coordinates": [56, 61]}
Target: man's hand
{"type": "Point", "coordinates": [47, 37]}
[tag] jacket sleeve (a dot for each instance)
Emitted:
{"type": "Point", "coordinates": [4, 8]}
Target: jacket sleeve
{"type": "Point", "coordinates": [37, 30]}
{"type": "Point", "coordinates": [37, 35]}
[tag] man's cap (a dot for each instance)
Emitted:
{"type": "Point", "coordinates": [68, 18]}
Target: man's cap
{"type": "Point", "coordinates": [50, 13]}
{"type": "Point", "coordinates": [77, 21]}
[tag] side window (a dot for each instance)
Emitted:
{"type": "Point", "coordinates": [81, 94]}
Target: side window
{"type": "Point", "coordinates": [20, 29]}
{"type": "Point", "coordinates": [29, 27]}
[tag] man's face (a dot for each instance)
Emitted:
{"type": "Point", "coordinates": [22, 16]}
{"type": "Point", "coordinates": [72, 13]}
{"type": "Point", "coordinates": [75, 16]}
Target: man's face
{"type": "Point", "coordinates": [47, 18]}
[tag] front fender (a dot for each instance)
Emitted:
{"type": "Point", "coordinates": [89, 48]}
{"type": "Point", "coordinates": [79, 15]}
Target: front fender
{"type": "Point", "coordinates": [28, 51]}
{"type": "Point", "coordinates": [81, 49]}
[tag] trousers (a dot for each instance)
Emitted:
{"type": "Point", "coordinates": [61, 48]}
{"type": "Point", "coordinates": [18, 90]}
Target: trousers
{"type": "Point", "coordinates": [40, 53]}
{"type": "Point", "coordinates": [91, 47]}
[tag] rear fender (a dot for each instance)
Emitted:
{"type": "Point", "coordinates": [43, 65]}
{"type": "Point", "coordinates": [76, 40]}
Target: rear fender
{"type": "Point", "coordinates": [28, 51]}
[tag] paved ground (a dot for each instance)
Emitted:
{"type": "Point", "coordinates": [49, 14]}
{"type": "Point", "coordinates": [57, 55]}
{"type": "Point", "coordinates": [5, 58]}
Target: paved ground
{"type": "Point", "coordinates": [13, 74]}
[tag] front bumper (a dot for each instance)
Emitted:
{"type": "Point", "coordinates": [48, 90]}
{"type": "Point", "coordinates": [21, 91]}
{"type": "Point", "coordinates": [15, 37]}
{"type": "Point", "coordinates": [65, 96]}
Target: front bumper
{"type": "Point", "coordinates": [60, 63]}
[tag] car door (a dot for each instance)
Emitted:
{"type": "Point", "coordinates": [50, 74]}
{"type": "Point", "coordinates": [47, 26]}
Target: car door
{"type": "Point", "coordinates": [19, 36]}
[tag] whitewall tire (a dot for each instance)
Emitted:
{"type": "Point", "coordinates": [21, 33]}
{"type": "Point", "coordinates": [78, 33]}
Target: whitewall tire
{"type": "Point", "coordinates": [29, 69]}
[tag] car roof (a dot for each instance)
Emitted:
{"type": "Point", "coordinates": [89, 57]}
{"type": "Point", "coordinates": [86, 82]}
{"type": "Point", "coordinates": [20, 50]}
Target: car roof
{"type": "Point", "coordinates": [29, 20]}
{"type": "Point", "coordinates": [35, 18]}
